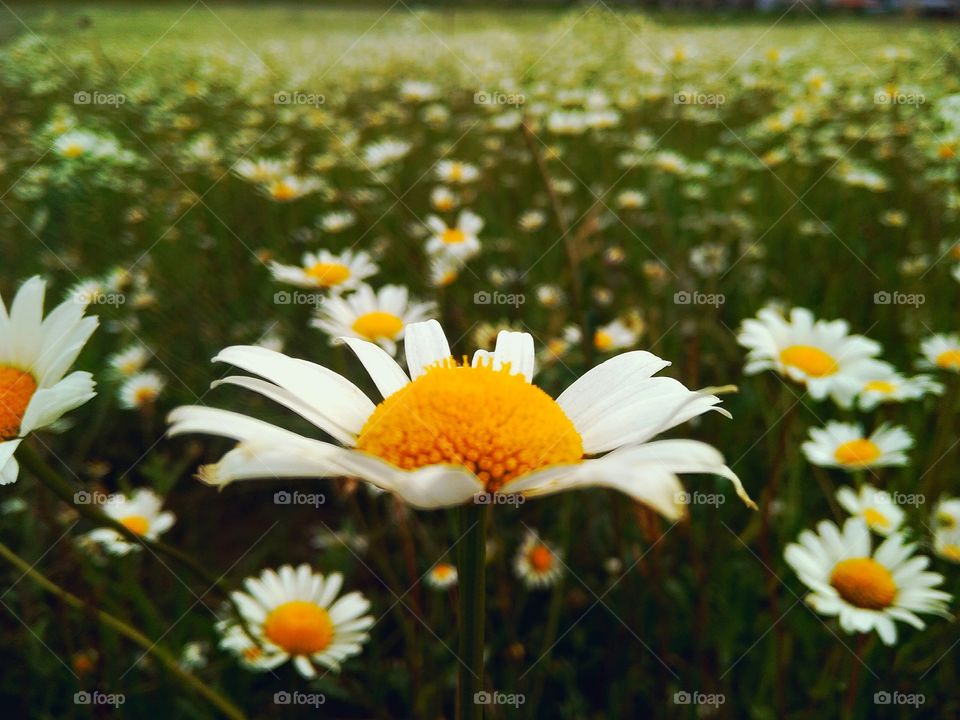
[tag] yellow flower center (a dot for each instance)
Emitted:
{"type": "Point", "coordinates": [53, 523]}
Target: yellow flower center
{"type": "Point", "coordinates": [136, 524]}
{"type": "Point", "coordinates": [299, 627]}
{"type": "Point", "coordinates": [73, 150]}
{"type": "Point", "coordinates": [860, 452]}
{"type": "Point", "coordinates": [16, 389]}
{"type": "Point", "coordinates": [282, 191]}
{"type": "Point", "coordinates": [453, 236]}
{"type": "Point", "coordinates": [378, 324]}
{"type": "Point", "coordinates": [951, 552]}
{"type": "Point", "coordinates": [811, 360]}
{"type": "Point", "coordinates": [949, 359]}
{"type": "Point", "coordinates": [495, 424]}
{"type": "Point", "coordinates": [946, 520]}
{"type": "Point", "coordinates": [864, 583]}
{"type": "Point", "coordinates": [456, 172]}
{"type": "Point", "coordinates": [144, 396]}
{"type": "Point", "coordinates": [880, 386]}
{"type": "Point", "coordinates": [602, 340]}
{"type": "Point", "coordinates": [541, 559]}
{"type": "Point", "coordinates": [329, 274]}
{"type": "Point", "coordinates": [946, 151]}
{"type": "Point", "coordinates": [875, 518]}
{"type": "Point", "coordinates": [443, 571]}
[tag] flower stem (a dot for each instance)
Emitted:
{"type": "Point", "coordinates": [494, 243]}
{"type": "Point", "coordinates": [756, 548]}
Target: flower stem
{"type": "Point", "coordinates": [115, 623]}
{"type": "Point", "coordinates": [471, 558]}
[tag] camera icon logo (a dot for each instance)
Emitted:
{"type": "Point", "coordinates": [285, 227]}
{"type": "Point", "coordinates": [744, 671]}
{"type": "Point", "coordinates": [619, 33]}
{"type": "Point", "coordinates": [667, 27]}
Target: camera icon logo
{"type": "Point", "coordinates": [82, 497]}
{"type": "Point", "coordinates": [682, 298]}
{"type": "Point", "coordinates": [882, 698]}
{"type": "Point", "coordinates": [282, 698]}
{"type": "Point", "coordinates": [682, 698]}
{"type": "Point", "coordinates": [881, 298]}
{"type": "Point", "coordinates": [82, 97]}
{"type": "Point", "coordinates": [282, 98]}
{"type": "Point", "coordinates": [82, 698]}
{"type": "Point", "coordinates": [282, 497]}
{"type": "Point", "coordinates": [482, 698]}
{"type": "Point", "coordinates": [482, 297]}
{"type": "Point", "coordinates": [680, 98]}
{"type": "Point", "coordinates": [282, 298]}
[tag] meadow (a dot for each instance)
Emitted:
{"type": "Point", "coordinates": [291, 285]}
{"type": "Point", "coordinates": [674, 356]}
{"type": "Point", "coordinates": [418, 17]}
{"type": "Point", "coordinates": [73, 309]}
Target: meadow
{"type": "Point", "coordinates": [768, 202]}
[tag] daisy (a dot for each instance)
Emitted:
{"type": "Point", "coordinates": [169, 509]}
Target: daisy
{"type": "Point", "coordinates": [417, 90]}
{"type": "Point", "coordinates": [443, 198]}
{"type": "Point", "coordinates": [818, 354]}
{"type": "Point", "coordinates": [130, 361]}
{"type": "Point", "coordinates": [616, 335]}
{"type": "Point", "coordinates": [337, 221]}
{"type": "Point", "coordinates": [141, 390]}
{"type": "Point", "coordinates": [866, 590]}
{"type": "Point", "coordinates": [844, 445]}
{"type": "Point", "coordinates": [946, 543]}
{"type": "Point", "coordinates": [946, 514]}
{"type": "Point", "coordinates": [385, 152]}
{"type": "Point", "coordinates": [263, 170]}
{"type": "Point", "coordinates": [379, 317]}
{"type": "Point", "coordinates": [887, 385]}
{"type": "Point", "coordinates": [290, 188]}
{"type": "Point", "coordinates": [460, 241]}
{"type": "Point", "coordinates": [941, 351]}
{"type": "Point", "coordinates": [537, 563]}
{"type": "Point", "coordinates": [140, 513]}
{"type": "Point", "coordinates": [444, 270]}
{"type": "Point", "coordinates": [631, 200]}
{"type": "Point", "coordinates": [448, 431]}
{"type": "Point", "coordinates": [35, 355]}
{"type": "Point", "coordinates": [442, 576]}
{"type": "Point", "coordinates": [294, 613]}
{"type": "Point", "coordinates": [325, 270]}
{"type": "Point", "coordinates": [875, 507]}
{"type": "Point", "coordinates": [455, 172]}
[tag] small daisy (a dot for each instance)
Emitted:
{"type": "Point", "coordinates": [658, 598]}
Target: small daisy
{"type": "Point", "coordinates": [323, 269]}
{"type": "Point", "coordinates": [946, 543]}
{"type": "Point", "coordinates": [632, 200]}
{"type": "Point", "coordinates": [457, 173]}
{"type": "Point", "coordinates": [35, 355]}
{"type": "Point", "coordinates": [262, 170]}
{"type": "Point", "coordinates": [141, 390]}
{"type": "Point", "coordinates": [613, 336]}
{"type": "Point", "coordinates": [843, 445]}
{"type": "Point", "coordinates": [130, 361]}
{"type": "Point", "coordinates": [443, 199]}
{"type": "Point", "coordinates": [941, 351]}
{"type": "Point", "coordinates": [887, 385]}
{"type": "Point", "coordinates": [866, 590]}
{"type": "Point", "coordinates": [382, 153]}
{"type": "Point", "coordinates": [290, 188]}
{"type": "Point", "coordinates": [379, 317]}
{"type": "Point", "coordinates": [875, 507]}
{"type": "Point", "coordinates": [442, 576]}
{"type": "Point", "coordinates": [444, 270]}
{"type": "Point", "coordinates": [337, 221]}
{"type": "Point", "coordinates": [460, 241]}
{"type": "Point", "coordinates": [537, 563]}
{"type": "Point", "coordinates": [140, 513]}
{"type": "Point", "coordinates": [532, 220]}
{"type": "Point", "coordinates": [294, 613]}
{"type": "Point", "coordinates": [946, 514]}
{"type": "Point", "coordinates": [819, 354]}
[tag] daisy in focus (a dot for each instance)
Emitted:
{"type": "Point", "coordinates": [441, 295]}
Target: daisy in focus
{"type": "Point", "coordinates": [381, 317]}
{"type": "Point", "coordinates": [460, 242]}
{"type": "Point", "coordinates": [537, 564]}
{"type": "Point", "coordinates": [141, 513]}
{"type": "Point", "coordinates": [844, 445]}
{"type": "Point", "coordinates": [875, 507]}
{"type": "Point", "coordinates": [941, 351]}
{"type": "Point", "coordinates": [867, 590]}
{"type": "Point", "coordinates": [442, 576]}
{"type": "Point", "coordinates": [819, 354]}
{"type": "Point", "coordinates": [445, 432]}
{"type": "Point", "coordinates": [35, 354]}
{"type": "Point", "coordinates": [295, 614]}
{"type": "Point", "coordinates": [887, 385]}
{"type": "Point", "coordinates": [338, 273]}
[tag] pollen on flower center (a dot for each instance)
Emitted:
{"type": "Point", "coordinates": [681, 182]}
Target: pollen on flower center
{"type": "Point", "coordinates": [949, 359]}
{"type": "Point", "coordinates": [282, 191]}
{"type": "Point", "coordinates": [864, 582]}
{"type": "Point", "coordinates": [880, 386]}
{"type": "Point", "coordinates": [875, 518]}
{"type": "Point", "coordinates": [811, 360]}
{"type": "Point", "coordinates": [136, 523]}
{"type": "Point", "coordinates": [453, 236]}
{"type": "Point", "coordinates": [492, 422]}
{"type": "Point", "coordinates": [541, 558]}
{"type": "Point", "coordinates": [329, 274]}
{"type": "Point", "coordinates": [602, 340]}
{"type": "Point", "coordinates": [858, 452]}
{"type": "Point", "coordinates": [16, 389]}
{"type": "Point", "coordinates": [299, 627]}
{"type": "Point", "coordinates": [378, 324]}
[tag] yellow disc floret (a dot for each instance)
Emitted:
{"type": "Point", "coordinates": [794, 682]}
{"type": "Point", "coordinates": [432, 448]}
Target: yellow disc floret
{"type": "Point", "coordinates": [377, 325]}
{"type": "Point", "coordinates": [864, 583]}
{"type": "Point", "coordinates": [857, 453]}
{"type": "Point", "coordinates": [810, 360]}
{"type": "Point", "coordinates": [453, 236]}
{"type": "Point", "coordinates": [492, 422]}
{"type": "Point", "coordinates": [299, 627]}
{"type": "Point", "coordinates": [949, 359]}
{"type": "Point", "coordinates": [16, 389]}
{"type": "Point", "coordinates": [136, 523]}
{"type": "Point", "coordinates": [328, 274]}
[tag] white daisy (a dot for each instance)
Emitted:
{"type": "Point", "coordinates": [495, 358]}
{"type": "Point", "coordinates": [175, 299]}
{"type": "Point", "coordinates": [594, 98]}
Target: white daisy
{"type": "Point", "coordinates": [295, 614]}
{"type": "Point", "coordinates": [446, 431]}
{"type": "Point", "coordinates": [35, 355]}
{"type": "Point", "coordinates": [819, 354]}
{"type": "Point", "coordinates": [866, 590]}
{"type": "Point", "coordinates": [458, 173]}
{"type": "Point", "coordinates": [616, 335]}
{"type": "Point", "coordinates": [844, 445]}
{"type": "Point", "coordinates": [290, 187]}
{"type": "Point", "coordinates": [323, 269]}
{"type": "Point", "coordinates": [378, 154]}
{"type": "Point", "coordinates": [130, 361]}
{"type": "Point", "coordinates": [379, 317]}
{"type": "Point", "coordinates": [337, 221]}
{"type": "Point", "coordinates": [537, 563]}
{"type": "Point", "coordinates": [140, 513]}
{"type": "Point", "coordinates": [875, 507]}
{"type": "Point", "coordinates": [442, 576]}
{"type": "Point", "coordinates": [443, 198]}
{"type": "Point", "coordinates": [946, 513]}
{"type": "Point", "coordinates": [946, 543]}
{"type": "Point", "coordinates": [262, 170]}
{"type": "Point", "coordinates": [887, 385]}
{"type": "Point", "coordinates": [461, 241]}
{"type": "Point", "coordinates": [941, 351]}
{"type": "Point", "coordinates": [141, 390]}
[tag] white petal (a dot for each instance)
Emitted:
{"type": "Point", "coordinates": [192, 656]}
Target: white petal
{"type": "Point", "coordinates": [49, 404]}
{"type": "Point", "coordinates": [424, 344]}
{"type": "Point", "coordinates": [515, 349]}
{"type": "Point", "coordinates": [386, 374]}
{"type": "Point", "coordinates": [9, 469]}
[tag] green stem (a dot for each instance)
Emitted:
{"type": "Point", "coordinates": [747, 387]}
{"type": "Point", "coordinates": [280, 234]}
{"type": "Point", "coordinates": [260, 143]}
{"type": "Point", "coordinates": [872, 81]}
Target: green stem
{"type": "Point", "coordinates": [471, 557]}
{"type": "Point", "coordinates": [115, 623]}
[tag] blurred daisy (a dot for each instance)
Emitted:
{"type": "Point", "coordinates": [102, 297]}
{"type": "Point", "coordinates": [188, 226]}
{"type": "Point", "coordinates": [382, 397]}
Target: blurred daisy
{"type": "Point", "coordinates": [295, 614]}
{"type": "Point", "coordinates": [447, 431]}
{"type": "Point", "coordinates": [130, 361]}
{"type": "Point", "coordinates": [262, 170]}
{"type": "Point", "coordinates": [442, 576]}
{"type": "Point", "coordinates": [378, 154]}
{"type": "Point", "coordinates": [290, 188]}
{"type": "Point", "coordinates": [141, 390]}
{"type": "Point", "coordinates": [443, 199]}
{"type": "Point", "coordinates": [444, 270]}
{"type": "Point", "coordinates": [379, 317]}
{"type": "Point", "coordinates": [941, 351]}
{"type": "Point", "coordinates": [537, 563]}
{"type": "Point", "coordinates": [631, 200]}
{"type": "Point", "coordinates": [866, 590]}
{"type": "Point", "coordinates": [843, 445]}
{"type": "Point", "coordinates": [460, 241]}
{"type": "Point", "coordinates": [887, 385]}
{"type": "Point", "coordinates": [946, 514]}
{"type": "Point", "coordinates": [946, 543]}
{"type": "Point", "coordinates": [457, 173]}
{"type": "Point", "coordinates": [532, 220]}
{"type": "Point", "coordinates": [325, 270]}
{"type": "Point", "coordinates": [35, 355]}
{"type": "Point", "coordinates": [337, 221]}
{"type": "Point", "coordinates": [875, 507]}
{"type": "Point", "coordinates": [819, 354]}
{"type": "Point", "coordinates": [140, 513]}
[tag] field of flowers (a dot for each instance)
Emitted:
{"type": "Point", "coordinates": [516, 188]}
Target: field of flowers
{"type": "Point", "coordinates": [574, 364]}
